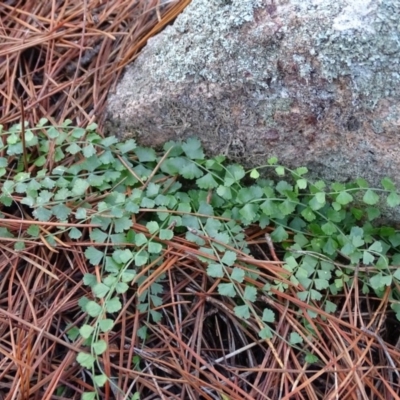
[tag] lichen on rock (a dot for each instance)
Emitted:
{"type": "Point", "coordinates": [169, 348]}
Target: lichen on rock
{"type": "Point", "coordinates": [313, 82]}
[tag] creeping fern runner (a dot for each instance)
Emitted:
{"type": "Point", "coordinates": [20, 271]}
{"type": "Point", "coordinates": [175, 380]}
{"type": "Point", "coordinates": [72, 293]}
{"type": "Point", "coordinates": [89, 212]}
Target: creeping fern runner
{"type": "Point", "coordinates": [80, 183]}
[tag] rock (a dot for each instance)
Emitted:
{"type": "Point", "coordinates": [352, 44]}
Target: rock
{"type": "Point", "coordinates": [314, 82]}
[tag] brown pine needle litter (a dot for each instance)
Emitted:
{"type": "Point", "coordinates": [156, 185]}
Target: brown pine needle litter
{"type": "Point", "coordinates": [62, 58]}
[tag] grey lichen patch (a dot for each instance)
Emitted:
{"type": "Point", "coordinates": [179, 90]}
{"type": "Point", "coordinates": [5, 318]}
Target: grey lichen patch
{"type": "Point", "coordinates": [364, 44]}
{"type": "Point", "coordinates": [206, 35]}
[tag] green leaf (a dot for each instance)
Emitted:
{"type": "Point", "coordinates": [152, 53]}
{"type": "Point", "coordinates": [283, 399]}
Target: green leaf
{"type": "Point", "coordinates": [86, 331]}
{"type": "Point", "coordinates": [238, 274]}
{"type": "Point", "coordinates": [370, 197]}
{"type": "Point", "coordinates": [234, 173]}
{"type": "Point", "coordinates": [108, 141]}
{"type": "Point", "coordinates": [207, 182]}
{"type": "Point", "coordinates": [77, 133]}
{"type": "Point", "coordinates": [106, 325]}
{"type": "Point", "coordinates": [205, 209]}
{"type": "Point", "coordinates": [83, 302]}
{"type": "Point", "coordinates": [156, 316]}
{"type": "Point", "coordinates": [145, 154]}
{"type": "Point", "coordinates": [33, 230]}
{"type": "Point", "coordinates": [224, 192]}
{"type": "Point", "coordinates": [212, 227]}
{"type": "Point", "coordinates": [166, 234]}
{"type": "Point", "coordinates": [287, 207]}
{"type": "Point", "coordinates": [272, 160]}
{"type": "Point", "coordinates": [73, 148]}
{"type": "Point", "coordinates": [303, 296]}
{"type": "Point", "coordinates": [379, 281]}
{"type": "Point", "coordinates": [122, 224]}
{"type": "Point", "coordinates": [357, 241]}
{"type": "Point", "coordinates": [300, 239]}
{"type": "Point", "coordinates": [154, 248]}
{"type": "Point", "coordinates": [249, 212]}
{"type": "Point", "coordinates": [127, 146]}
{"type": "Point", "coordinates": [388, 184]}
{"type": "Point", "coordinates": [121, 287]}
{"type": "Point", "coordinates": [80, 187]}
{"type": "Point", "coordinates": [348, 249]}
{"type": "Point", "coordinates": [142, 332]}
{"type": "Point", "coordinates": [300, 171]}
{"type": "Point", "coordinates": [393, 200]}
{"type": "Point", "coordinates": [356, 231]}
{"type": "Point", "coordinates": [279, 234]}
{"type": "Point", "coordinates": [250, 293]}
{"type": "Point", "coordinates": [73, 333]}
{"type": "Point", "coordinates": [254, 174]}
{"type": "Point", "coordinates": [100, 290]}
{"type": "Point", "coordinates": [395, 240]}
{"type": "Point", "coordinates": [42, 214]}
{"type": "Point", "coordinates": [301, 183]}
{"type": "Point", "coordinates": [362, 183]}
{"type": "Point", "coordinates": [315, 295]}
{"type": "Point", "coordinates": [100, 380]}
{"type": "Point", "coordinates": [242, 311]}
{"type": "Point", "coordinates": [93, 309]}
{"type": "Point", "coordinates": [330, 307]}
{"type": "Point", "coordinates": [311, 358]}
{"type": "Point", "coordinates": [344, 198]}
{"type": "Point", "coordinates": [128, 275]}
{"type": "Point", "coordinates": [141, 258]}
{"type": "Point", "coordinates": [113, 305]}
{"type": "Point", "coordinates": [308, 214]}
{"type": "Point", "coordinates": [140, 239]}
{"type": "Point", "coordinates": [89, 280]}
{"type": "Point", "coordinates": [329, 228]}
{"type": "Point", "coordinates": [192, 149]}
{"type": "Point", "coordinates": [85, 360]}
{"type": "Point", "coordinates": [229, 258]}
{"type": "Point", "coordinates": [376, 246]}
{"type": "Point", "coordinates": [280, 171]}
{"type": "Point", "coordinates": [152, 227]}
{"type": "Point", "coordinates": [110, 280]}
{"type": "Point", "coordinates": [80, 213]}
{"type": "Point", "coordinates": [215, 270]}
{"type": "Point", "coordinates": [269, 208]}
{"type": "Point", "coordinates": [315, 203]}
{"type": "Point", "coordinates": [93, 255]}
{"type": "Point", "coordinates": [88, 395]}
{"type": "Point", "coordinates": [92, 127]}
{"type": "Point", "coordinates": [190, 170]}
{"type": "Point", "coordinates": [227, 289]}
{"type": "Point", "coordinates": [268, 315]}
{"type": "Point", "coordinates": [98, 236]}
{"type": "Point", "coordinates": [373, 213]}
{"type": "Point", "coordinates": [295, 338]}
{"type": "Point", "coordinates": [321, 284]}
{"type": "Point", "coordinates": [89, 150]}
{"type": "Point", "coordinates": [248, 194]}
{"type": "Point", "coordinates": [99, 347]}
{"type": "Point", "coordinates": [368, 258]}
{"type": "Point", "coordinates": [265, 333]}
{"type": "Point", "coordinates": [284, 188]}
{"type": "Point", "coordinates": [74, 233]}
